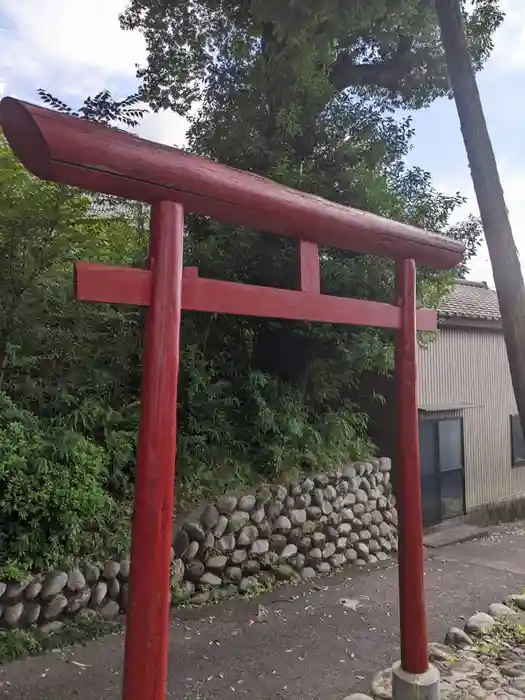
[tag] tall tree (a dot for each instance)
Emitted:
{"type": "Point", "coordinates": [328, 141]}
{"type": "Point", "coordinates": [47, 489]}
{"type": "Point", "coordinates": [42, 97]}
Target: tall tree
{"type": "Point", "coordinates": [504, 257]}
{"type": "Point", "coordinates": [389, 48]}
{"type": "Point", "coordinates": [303, 93]}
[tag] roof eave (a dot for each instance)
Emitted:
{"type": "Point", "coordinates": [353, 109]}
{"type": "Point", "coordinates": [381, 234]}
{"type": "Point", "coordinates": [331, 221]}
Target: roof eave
{"type": "Point", "coordinates": [487, 324]}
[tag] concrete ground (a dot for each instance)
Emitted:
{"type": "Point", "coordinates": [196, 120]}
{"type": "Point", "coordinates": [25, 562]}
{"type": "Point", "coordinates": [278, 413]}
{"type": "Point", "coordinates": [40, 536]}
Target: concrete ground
{"type": "Point", "coordinates": [306, 644]}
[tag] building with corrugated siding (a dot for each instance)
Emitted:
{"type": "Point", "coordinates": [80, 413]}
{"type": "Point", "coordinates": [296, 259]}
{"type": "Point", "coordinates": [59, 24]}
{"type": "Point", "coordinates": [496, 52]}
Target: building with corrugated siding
{"type": "Point", "coordinates": [471, 444]}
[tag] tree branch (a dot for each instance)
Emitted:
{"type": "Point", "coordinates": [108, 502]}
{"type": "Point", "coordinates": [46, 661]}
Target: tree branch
{"type": "Point", "coordinates": [387, 74]}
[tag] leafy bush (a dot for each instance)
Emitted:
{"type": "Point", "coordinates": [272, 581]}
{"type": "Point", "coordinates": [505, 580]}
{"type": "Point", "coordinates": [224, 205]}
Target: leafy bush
{"type": "Point", "coordinates": [239, 426]}
{"type": "Point", "coordinates": [19, 643]}
{"type": "Point", "coordinates": [53, 500]}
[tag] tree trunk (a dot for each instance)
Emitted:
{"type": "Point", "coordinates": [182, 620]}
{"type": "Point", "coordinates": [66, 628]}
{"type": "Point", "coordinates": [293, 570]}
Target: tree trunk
{"type": "Point", "coordinates": [504, 256]}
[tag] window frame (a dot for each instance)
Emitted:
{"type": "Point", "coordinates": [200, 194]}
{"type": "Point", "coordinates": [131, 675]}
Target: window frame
{"type": "Point", "coordinates": [441, 422]}
{"type": "Point", "coordinates": [516, 461]}
{"type": "Point", "coordinates": [435, 420]}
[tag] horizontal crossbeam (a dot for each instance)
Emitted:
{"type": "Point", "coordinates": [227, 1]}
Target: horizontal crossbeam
{"type": "Point", "coordinates": [127, 285]}
{"type": "Point", "coordinates": [78, 152]}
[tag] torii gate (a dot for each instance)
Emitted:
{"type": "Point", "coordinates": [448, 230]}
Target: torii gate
{"type": "Point", "coordinates": [71, 151]}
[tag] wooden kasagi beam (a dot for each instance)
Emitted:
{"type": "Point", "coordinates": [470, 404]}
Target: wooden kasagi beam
{"type": "Point", "coordinates": [73, 151]}
{"type": "Point", "coordinates": [128, 285]}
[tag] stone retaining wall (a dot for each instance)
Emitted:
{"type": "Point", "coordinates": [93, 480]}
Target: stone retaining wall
{"type": "Point", "coordinates": [237, 545]}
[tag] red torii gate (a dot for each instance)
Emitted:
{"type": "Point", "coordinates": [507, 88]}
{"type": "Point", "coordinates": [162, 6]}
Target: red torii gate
{"type": "Point", "coordinates": [71, 151]}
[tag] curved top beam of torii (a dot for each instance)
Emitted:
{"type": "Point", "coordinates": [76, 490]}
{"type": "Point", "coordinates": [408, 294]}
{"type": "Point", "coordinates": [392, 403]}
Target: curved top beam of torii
{"type": "Point", "coordinates": [73, 151]}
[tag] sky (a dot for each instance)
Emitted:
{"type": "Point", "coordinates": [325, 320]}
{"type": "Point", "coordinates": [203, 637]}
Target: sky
{"type": "Point", "coordinates": [76, 48]}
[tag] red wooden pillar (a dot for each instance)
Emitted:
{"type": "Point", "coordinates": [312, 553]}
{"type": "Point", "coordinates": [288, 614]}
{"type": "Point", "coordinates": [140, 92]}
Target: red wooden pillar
{"type": "Point", "coordinates": [145, 662]}
{"type": "Point", "coordinates": [309, 267]}
{"type": "Point", "coordinates": [414, 647]}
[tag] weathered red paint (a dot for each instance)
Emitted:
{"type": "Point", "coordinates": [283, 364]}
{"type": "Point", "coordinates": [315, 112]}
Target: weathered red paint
{"type": "Point", "coordinates": [127, 285]}
{"type": "Point", "coordinates": [112, 284]}
{"type": "Point", "coordinates": [74, 152]}
{"type": "Point", "coordinates": [146, 650]}
{"type": "Point", "coordinates": [77, 152]}
{"type": "Point", "coordinates": [414, 648]}
{"type": "Point", "coordinates": [309, 267]}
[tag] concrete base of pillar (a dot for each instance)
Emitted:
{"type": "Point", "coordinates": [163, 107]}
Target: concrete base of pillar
{"type": "Point", "coordinates": [407, 686]}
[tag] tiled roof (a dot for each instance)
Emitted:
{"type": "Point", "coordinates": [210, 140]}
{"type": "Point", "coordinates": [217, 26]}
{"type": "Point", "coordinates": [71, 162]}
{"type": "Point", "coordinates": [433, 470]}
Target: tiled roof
{"type": "Point", "coordinates": [471, 300]}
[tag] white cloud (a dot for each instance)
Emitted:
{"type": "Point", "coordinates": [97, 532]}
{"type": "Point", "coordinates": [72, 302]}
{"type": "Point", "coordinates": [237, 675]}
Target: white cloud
{"type": "Point", "coordinates": [508, 56]}
{"type": "Point", "coordinates": [82, 41]}
{"type": "Point", "coordinates": [509, 53]}
{"type": "Point", "coordinates": [513, 182]}
{"type": "Point", "coordinates": [75, 48]}
{"type": "Point", "coordinates": [164, 127]}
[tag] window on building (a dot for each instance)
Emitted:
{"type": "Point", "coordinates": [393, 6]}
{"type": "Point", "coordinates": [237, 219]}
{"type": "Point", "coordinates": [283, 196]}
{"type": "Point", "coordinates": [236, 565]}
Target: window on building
{"type": "Point", "coordinates": [442, 468]}
{"type": "Point", "coordinates": [517, 441]}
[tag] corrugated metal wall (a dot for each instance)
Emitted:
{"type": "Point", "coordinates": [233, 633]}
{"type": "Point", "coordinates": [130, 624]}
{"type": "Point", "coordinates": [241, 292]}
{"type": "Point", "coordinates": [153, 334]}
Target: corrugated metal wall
{"type": "Point", "coordinates": [468, 366]}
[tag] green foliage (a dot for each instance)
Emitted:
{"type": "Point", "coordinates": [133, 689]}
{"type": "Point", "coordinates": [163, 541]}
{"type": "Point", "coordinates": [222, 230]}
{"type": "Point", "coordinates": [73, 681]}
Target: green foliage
{"type": "Point", "coordinates": [43, 228]}
{"type": "Point", "coordinates": [52, 491]}
{"type": "Point", "coordinates": [303, 93]}
{"type": "Point", "coordinates": [102, 108]}
{"type": "Point", "coordinates": [507, 634]}
{"type": "Point", "coordinates": [389, 49]}
{"type": "Point", "coordinates": [240, 426]}
{"type": "Point", "coordinates": [68, 402]}
{"type": "Point", "coordinates": [19, 643]}
{"type": "Point", "coordinates": [256, 588]}
{"type": "Point", "coordinates": [178, 595]}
